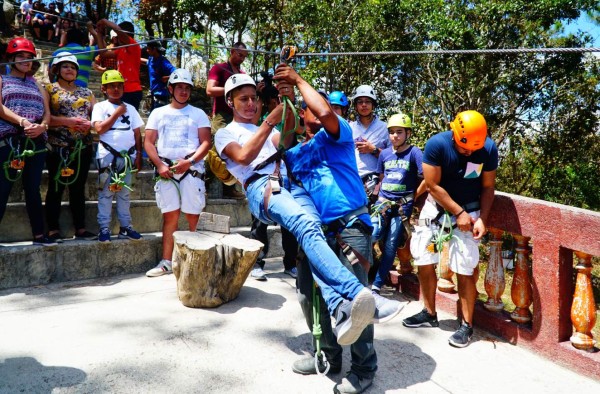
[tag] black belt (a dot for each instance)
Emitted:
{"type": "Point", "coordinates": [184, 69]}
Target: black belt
{"type": "Point", "coordinates": [338, 225]}
{"type": "Point", "coordinates": [253, 178]}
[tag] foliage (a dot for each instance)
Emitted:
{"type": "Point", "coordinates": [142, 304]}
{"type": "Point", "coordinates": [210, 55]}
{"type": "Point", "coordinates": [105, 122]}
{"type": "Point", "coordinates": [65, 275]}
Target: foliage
{"type": "Point", "coordinates": [542, 109]}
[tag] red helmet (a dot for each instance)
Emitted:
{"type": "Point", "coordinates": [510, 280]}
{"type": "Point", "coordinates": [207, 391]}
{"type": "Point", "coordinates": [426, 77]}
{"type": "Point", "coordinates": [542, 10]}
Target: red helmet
{"type": "Point", "coordinates": [20, 44]}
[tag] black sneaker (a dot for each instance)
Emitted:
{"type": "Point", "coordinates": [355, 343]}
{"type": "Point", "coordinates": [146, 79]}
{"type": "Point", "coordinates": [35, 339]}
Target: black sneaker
{"type": "Point", "coordinates": [352, 317]}
{"type": "Point", "coordinates": [86, 235]}
{"type": "Point", "coordinates": [44, 241]}
{"type": "Point", "coordinates": [306, 366]}
{"type": "Point", "coordinates": [56, 237]}
{"type": "Point", "coordinates": [421, 319]}
{"type": "Point", "coordinates": [462, 336]}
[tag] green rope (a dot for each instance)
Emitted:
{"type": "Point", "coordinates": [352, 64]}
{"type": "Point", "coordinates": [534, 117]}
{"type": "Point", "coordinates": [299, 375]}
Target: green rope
{"type": "Point", "coordinates": [75, 154]}
{"type": "Point", "coordinates": [317, 332]}
{"type": "Point", "coordinates": [118, 179]}
{"type": "Point", "coordinates": [442, 237]}
{"type": "Point", "coordinates": [284, 133]}
{"type": "Point", "coordinates": [20, 156]}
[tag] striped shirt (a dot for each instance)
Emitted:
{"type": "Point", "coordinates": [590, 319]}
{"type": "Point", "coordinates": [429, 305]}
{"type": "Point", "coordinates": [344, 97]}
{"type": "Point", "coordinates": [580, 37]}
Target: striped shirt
{"type": "Point", "coordinates": [84, 59]}
{"type": "Point", "coordinates": [24, 98]}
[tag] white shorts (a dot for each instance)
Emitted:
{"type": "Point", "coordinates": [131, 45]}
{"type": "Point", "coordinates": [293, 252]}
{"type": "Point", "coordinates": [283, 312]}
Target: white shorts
{"type": "Point", "coordinates": [187, 195]}
{"type": "Point", "coordinates": [463, 253]}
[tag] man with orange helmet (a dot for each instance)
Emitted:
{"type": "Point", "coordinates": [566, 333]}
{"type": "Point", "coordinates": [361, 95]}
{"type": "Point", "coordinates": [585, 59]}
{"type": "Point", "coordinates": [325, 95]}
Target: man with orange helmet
{"type": "Point", "coordinates": [459, 167]}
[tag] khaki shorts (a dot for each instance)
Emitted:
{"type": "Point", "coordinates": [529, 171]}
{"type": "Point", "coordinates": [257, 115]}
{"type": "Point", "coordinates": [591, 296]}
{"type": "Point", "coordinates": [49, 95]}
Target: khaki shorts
{"type": "Point", "coordinates": [189, 195]}
{"type": "Point", "coordinates": [463, 253]}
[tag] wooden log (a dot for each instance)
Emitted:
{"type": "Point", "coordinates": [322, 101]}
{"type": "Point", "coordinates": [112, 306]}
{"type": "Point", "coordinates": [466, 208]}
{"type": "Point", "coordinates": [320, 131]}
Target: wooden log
{"type": "Point", "coordinates": [583, 310]}
{"type": "Point", "coordinates": [211, 268]}
{"type": "Point", "coordinates": [494, 276]}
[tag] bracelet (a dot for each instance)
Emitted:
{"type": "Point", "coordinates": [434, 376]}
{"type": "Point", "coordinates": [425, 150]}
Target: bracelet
{"type": "Point", "coordinates": [45, 125]}
{"type": "Point", "coordinates": [22, 121]}
{"type": "Point", "coordinates": [460, 213]}
{"type": "Point", "coordinates": [193, 161]}
{"type": "Point", "coordinates": [271, 125]}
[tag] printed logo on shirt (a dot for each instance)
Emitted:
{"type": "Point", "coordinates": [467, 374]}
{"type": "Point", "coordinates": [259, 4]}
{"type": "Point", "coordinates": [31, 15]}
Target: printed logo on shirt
{"type": "Point", "coordinates": [473, 170]}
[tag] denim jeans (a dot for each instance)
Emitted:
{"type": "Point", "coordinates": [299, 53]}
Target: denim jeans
{"type": "Point", "coordinates": [105, 199]}
{"type": "Point", "coordinates": [31, 179]}
{"type": "Point", "coordinates": [390, 237]}
{"type": "Point", "coordinates": [335, 280]}
{"type": "Point", "coordinates": [363, 356]}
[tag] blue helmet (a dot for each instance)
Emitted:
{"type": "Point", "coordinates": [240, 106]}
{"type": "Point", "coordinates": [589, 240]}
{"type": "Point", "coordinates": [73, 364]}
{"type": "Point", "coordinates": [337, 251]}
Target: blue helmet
{"type": "Point", "coordinates": [338, 98]}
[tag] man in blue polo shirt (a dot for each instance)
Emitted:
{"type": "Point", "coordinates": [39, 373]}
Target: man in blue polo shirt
{"type": "Point", "coordinates": [159, 70]}
{"type": "Point", "coordinates": [326, 183]}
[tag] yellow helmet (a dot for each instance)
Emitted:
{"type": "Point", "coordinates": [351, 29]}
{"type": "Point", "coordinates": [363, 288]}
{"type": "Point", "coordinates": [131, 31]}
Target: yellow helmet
{"type": "Point", "coordinates": [399, 120]}
{"type": "Point", "coordinates": [469, 129]}
{"type": "Point", "coordinates": [111, 76]}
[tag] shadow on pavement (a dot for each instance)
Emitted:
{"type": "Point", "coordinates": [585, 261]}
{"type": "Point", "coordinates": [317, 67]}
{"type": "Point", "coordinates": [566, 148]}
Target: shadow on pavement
{"type": "Point", "coordinates": [27, 375]}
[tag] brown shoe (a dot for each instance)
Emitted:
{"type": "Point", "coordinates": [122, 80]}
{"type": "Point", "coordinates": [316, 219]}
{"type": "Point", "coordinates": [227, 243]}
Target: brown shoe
{"type": "Point", "coordinates": [232, 192]}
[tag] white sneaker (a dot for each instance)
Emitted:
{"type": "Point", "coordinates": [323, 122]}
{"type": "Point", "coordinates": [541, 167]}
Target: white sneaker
{"type": "Point", "coordinates": [163, 268]}
{"type": "Point", "coordinates": [258, 274]}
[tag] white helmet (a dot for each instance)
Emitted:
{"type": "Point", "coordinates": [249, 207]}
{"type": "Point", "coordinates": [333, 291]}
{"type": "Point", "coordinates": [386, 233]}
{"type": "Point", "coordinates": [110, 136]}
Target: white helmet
{"type": "Point", "coordinates": [181, 75]}
{"type": "Point", "coordinates": [237, 80]}
{"type": "Point", "coordinates": [65, 57]}
{"type": "Point", "coordinates": [364, 91]}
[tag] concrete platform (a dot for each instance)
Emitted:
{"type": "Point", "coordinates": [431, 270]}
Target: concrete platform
{"type": "Point", "coordinates": [145, 215]}
{"type": "Point", "coordinates": [24, 264]}
{"type": "Point", "coordinates": [130, 334]}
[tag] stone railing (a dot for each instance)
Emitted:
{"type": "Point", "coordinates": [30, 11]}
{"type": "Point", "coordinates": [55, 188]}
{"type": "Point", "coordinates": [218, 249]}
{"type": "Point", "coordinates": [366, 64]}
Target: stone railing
{"type": "Point", "coordinates": [559, 324]}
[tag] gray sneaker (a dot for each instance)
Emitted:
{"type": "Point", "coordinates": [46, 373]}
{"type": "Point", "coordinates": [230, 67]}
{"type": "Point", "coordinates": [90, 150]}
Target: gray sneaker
{"type": "Point", "coordinates": [352, 317]}
{"type": "Point", "coordinates": [258, 274]}
{"type": "Point", "coordinates": [352, 384]}
{"type": "Point", "coordinates": [462, 336]}
{"type": "Point", "coordinates": [306, 366]}
{"type": "Point", "coordinates": [386, 309]}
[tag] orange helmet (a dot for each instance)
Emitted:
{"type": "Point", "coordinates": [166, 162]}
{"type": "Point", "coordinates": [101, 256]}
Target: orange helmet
{"type": "Point", "coordinates": [469, 129]}
{"type": "Point", "coordinates": [20, 44]}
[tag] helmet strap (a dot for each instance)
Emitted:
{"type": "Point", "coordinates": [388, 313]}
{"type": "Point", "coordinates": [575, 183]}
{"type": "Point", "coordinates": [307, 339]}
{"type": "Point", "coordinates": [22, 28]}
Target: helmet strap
{"type": "Point", "coordinates": [174, 98]}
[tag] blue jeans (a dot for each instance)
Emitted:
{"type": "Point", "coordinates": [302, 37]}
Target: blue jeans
{"type": "Point", "coordinates": [31, 179]}
{"type": "Point", "coordinates": [335, 280]}
{"type": "Point", "coordinates": [390, 236]}
{"type": "Point", "coordinates": [363, 356]}
{"type": "Point", "coordinates": [105, 199]}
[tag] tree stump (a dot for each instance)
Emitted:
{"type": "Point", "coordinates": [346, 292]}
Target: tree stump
{"type": "Point", "coordinates": [210, 267]}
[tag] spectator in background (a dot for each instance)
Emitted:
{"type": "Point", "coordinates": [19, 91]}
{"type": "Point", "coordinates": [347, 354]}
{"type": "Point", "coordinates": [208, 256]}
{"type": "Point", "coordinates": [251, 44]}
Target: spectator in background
{"type": "Point", "coordinates": [52, 22]}
{"type": "Point", "coordinates": [159, 70]}
{"type": "Point", "coordinates": [26, 6]}
{"type": "Point", "coordinates": [75, 41]}
{"type": "Point", "coordinates": [38, 20]}
{"type": "Point", "coordinates": [129, 55]}
{"type": "Point", "coordinates": [107, 60]}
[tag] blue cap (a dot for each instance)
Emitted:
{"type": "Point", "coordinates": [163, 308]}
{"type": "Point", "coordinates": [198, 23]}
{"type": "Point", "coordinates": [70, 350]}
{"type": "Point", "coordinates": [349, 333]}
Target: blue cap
{"type": "Point", "coordinates": [322, 93]}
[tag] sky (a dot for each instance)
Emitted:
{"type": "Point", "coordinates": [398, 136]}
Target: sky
{"type": "Point", "coordinates": [584, 23]}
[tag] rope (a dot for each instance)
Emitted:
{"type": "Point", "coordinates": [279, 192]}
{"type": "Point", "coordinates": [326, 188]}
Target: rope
{"type": "Point", "coordinates": [64, 170]}
{"type": "Point", "coordinates": [320, 358]}
{"type": "Point", "coordinates": [284, 133]}
{"type": "Point", "coordinates": [454, 52]}
{"type": "Point", "coordinates": [118, 179]}
{"type": "Point", "coordinates": [16, 161]}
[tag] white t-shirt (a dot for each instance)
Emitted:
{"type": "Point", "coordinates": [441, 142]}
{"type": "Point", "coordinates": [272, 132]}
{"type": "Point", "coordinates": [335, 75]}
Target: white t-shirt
{"type": "Point", "coordinates": [25, 6]}
{"type": "Point", "coordinates": [241, 133]}
{"type": "Point", "coordinates": [377, 134]}
{"type": "Point", "coordinates": [178, 131]}
{"type": "Point", "coordinates": [120, 136]}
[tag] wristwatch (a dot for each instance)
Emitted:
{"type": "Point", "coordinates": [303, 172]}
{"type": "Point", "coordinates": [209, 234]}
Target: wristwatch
{"type": "Point", "coordinates": [375, 150]}
{"type": "Point", "coordinates": [193, 161]}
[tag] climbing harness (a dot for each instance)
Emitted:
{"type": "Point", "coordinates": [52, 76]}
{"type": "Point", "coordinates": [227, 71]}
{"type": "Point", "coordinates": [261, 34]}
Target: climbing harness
{"type": "Point", "coordinates": [16, 157]}
{"type": "Point", "coordinates": [117, 179]}
{"type": "Point", "coordinates": [67, 157]}
{"type": "Point", "coordinates": [384, 210]}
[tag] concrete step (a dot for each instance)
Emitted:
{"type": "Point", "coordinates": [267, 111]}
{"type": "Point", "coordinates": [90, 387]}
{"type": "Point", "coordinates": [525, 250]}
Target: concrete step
{"type": "Point", "coordinates": [23, 264]}
{"type": "Point", "coordinates": [146, 216]}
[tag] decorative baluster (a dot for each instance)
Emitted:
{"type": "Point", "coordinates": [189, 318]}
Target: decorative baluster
{"type": "Point", "coordinates": [583, 310]}
{"type": "Point", "coordinates": [445, 283]}
{"type": "Point", "coordinates": [494, 276]}
{"type": "Point", "coordinates": [521, 286]}
{"type": "Point", "coordinates": [404, 256]}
